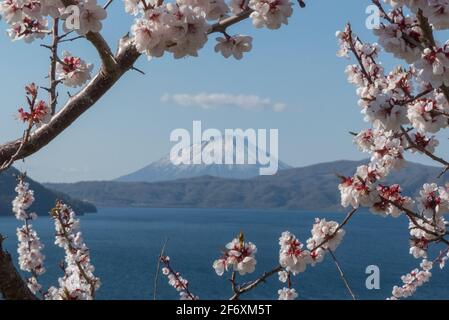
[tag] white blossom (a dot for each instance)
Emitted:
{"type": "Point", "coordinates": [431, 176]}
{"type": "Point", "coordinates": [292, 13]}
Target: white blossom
{"type": "Point", "coordinates": [238, 255]}
{"type": "Point", "coordinates": [91, 15]}
{"type": "Point", "coordinates": [79, 281]}
{"type": "Point", "coordinates": [328, 233]}
{"type": "Point", "coordinates": [270, 13]}
{"type": "Point", "coordinates": [29, 247]}
{"type": "Point", "coordinates": [291, 255]}
{"type": "Point", "coordinates": [287, 294]}
{"type": "Point", "coordinates": [73, 71]}
{"type": "Point", "coordinates": [234, 46]}
{"type": "Point", "coordinates": [176, 280]}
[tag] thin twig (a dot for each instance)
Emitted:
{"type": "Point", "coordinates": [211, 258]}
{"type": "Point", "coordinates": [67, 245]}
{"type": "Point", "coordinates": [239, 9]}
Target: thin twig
{"type": "Point", "coordinates": [107, 4]}
{"type": "Point", "coordinates": [52, 73]}
{"type": "Point", "coordinates": [72, 39]}
{"type": "Point", "coordinates": [138, 70]}
{"type": "Point", "coordinates": [342, 275]}
{"type": "Point", "coordinates": [26, 136]}
{"type": "Point", "coordinates": [426, 152]}
{"type": "Point", "coordinates": [156, 278]}
{"type": "Point", "coordinates": [255, 283]}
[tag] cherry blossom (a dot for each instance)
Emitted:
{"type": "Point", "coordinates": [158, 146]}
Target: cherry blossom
{"type": "Point", "coordinates": [423, 232]}
{"type": "Point", "coordinates": [188, 31]}
{"type": "Point", "coordinates": [39, 112]}
{"type": "Point", "coordinates": [234, 46]}
{"type": "Point", "coordinates": [179, 27]}
{"type": "Point", "coordinates": [404, 108]}
{"type": "Point", "coordinates": [132, 7]}
{"type": "Point", "coordinates": [214, 9]}
{"type": "Point", "coordinates": [287, 294]}
{"type": "Point", "coordinates": [238, 255]}
{"type": "Point", "coordinates": [270, 13]}
{"type": "Point", "coordinates": [429, 115]}
{"type": "Point", "coordinates": [11, 11]}
{"type": "Point", "coordinates": [28, 29]}
{"type": "Point", "coordinates": [433, 67]}
{"type": "Point", "coordinates": [430, 203]}
{"type": "Point", "coordinates": [238, 6]}
{"type": "Point", "coordinates": [411, 281]}
{"type": "Point", "coordinates": [327, 233]}
{"type": "Point", "coordinates": [30, 247]}
{"type": "Point", "coordinates": [73, 71]}
{"type": "Point", "coordinates": [425, 144]}
{"type": "Point", "coordinates": [291, 255]}
{"type": "Point", "coordinates": [360, 190]}
{"type": "Point", "coordinates": [283, 276]}
{"type": "Point", "coordinates": [78, 282]}
{"type": "Point", "coordinates": [436, 10]}
{"type": "Point", "coordinates": [391, 36]}
{"type": "Point", "coordinates": [91, 15]}
{"type": "Point", "coordinates": [391, 201]}
{"type": "Point", "coordinates": [176, 280]}
{"type": "Point", "coordinates": [52, 8]}
{"type": "Point", "coordinates": [149, 32]}
{"type": "Point", "coordinates": [181, 30]}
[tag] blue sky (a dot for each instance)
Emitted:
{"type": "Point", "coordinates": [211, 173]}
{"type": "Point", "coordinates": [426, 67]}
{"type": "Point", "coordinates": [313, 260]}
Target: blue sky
{"type": "Point", "coordinates": [130, 126]}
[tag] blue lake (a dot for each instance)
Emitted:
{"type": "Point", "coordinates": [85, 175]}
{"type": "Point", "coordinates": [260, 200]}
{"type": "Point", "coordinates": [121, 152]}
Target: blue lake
{"type": "Point", "coordinates": [125, 244]}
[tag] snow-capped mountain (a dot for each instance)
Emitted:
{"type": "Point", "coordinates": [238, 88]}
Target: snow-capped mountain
{"type": "Point", "coordinates": [164, 169]}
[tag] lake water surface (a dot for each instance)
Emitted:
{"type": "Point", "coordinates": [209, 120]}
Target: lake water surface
{"type": "Point", "coordinates": [125, 244]}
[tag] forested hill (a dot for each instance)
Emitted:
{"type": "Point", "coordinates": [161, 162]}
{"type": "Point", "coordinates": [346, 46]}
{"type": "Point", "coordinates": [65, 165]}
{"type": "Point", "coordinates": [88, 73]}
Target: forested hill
{"type": "Point", "coordinates": [308, 188]}
{"type": "Point", "coordinates": [45, 198]}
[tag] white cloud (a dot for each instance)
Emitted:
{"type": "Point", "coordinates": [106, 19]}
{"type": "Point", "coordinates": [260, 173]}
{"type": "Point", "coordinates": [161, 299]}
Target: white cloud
{"type": "Point", "coordinates": [217, 100]}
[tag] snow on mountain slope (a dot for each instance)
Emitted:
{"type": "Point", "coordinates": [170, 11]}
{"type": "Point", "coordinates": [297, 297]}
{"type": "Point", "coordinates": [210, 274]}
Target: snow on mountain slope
{"type": "Point", "coordinates": [164, 169]}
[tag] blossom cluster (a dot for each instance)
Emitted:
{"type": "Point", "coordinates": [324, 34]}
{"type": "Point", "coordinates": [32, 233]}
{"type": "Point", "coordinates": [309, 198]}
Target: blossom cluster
{"type": "Point", "coordinates": [411, 281]}
{"type": "Point", "coordinates": [79, 281]}
{"type": "Point", "coordinates": [293, 257]}
{"type": "Point", "coordinates": [437, 11]}
{"type": "Point", "coordinates": [405, 109]}
{"type": "Point", "coordinates": [239, 256]}
{"type": "Point", "coordinates": [73, 71]}
{"type": "Point", "coordinates": [176, 280]}
{"type": "Point", "coordinates": [389, 104]}
{"type": "Point", "coordinates": [27, 19]}
{"type": "Point", "coordinates": [182, 28]}
{"type": "Point", "coordinates": [31, 258]}
{"type": "Point", "coordinates": [38, 113]}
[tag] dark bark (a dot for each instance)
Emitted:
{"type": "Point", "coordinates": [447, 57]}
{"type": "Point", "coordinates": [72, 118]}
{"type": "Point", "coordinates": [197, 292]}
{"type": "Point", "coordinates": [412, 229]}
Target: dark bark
{"type": "Point", "coordinates": [12, 287]}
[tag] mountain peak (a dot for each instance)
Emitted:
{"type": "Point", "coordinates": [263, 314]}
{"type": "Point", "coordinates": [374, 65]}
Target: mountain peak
{"type": "Point", "coordinates": [165, 170]}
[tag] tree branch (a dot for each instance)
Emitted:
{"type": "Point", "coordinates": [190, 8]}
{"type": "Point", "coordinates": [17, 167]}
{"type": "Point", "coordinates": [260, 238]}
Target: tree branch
{"type": "Point", "coordinates": [107, 57]}
{"type": "Point", "coordinates": [255, 283]}
{"type": "Point", "coordinates": [426, 152]}
{"type": "Point", "coordinates": [52, 73]}
{"type": "Point", "coordinates": [73, 109]}
{"type": "Point", "coordinates": [222, 25]}
{"type": "Point", "coordinates": [112, 69]}
{"type": "Point", "coordinates": [342, 275]}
